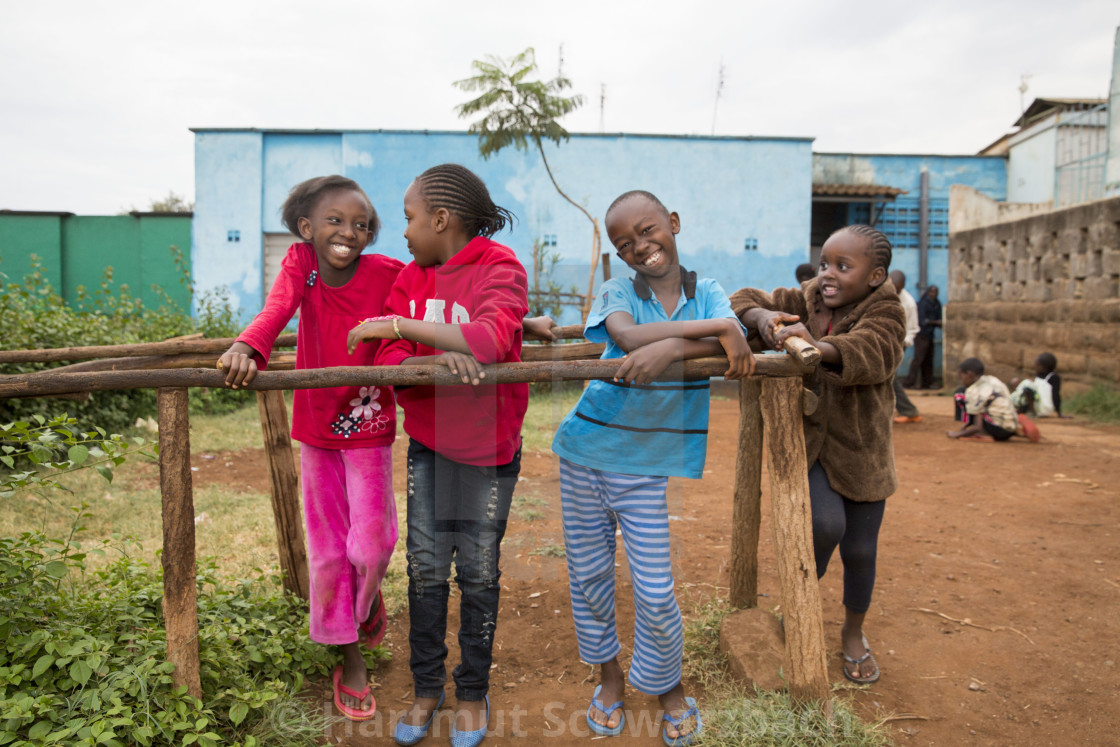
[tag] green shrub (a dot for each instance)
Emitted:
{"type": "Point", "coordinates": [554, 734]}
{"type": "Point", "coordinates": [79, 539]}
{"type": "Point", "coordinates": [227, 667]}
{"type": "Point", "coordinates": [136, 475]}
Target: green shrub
{"type": "Point", "coordinates": [34, 316]}
{"type": "Point", "coordinates": [83, 656]}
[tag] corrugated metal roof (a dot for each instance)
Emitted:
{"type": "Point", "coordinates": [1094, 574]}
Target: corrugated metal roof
{"type": "Point", "coordinates": [857, 190]}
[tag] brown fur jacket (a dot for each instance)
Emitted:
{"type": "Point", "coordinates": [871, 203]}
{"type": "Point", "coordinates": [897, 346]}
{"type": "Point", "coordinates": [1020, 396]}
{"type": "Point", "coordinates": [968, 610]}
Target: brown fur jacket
{"type": "Point", "coordinates": [850, 431]}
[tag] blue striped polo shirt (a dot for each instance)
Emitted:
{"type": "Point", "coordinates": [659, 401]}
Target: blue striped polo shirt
{"type": "Point", "coordinates": [658, 429]}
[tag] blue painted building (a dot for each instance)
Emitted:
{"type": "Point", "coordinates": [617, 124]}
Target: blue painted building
{"type": "Point", "coordinates": [742, 201]}
{"type": "Point", "coordinates": [751, 208]}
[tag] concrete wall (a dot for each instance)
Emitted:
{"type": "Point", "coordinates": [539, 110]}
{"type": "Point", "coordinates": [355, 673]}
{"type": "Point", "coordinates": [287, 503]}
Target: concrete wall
{"type": "Point", "coordinates": [74, 251]}
{"type": "Point", "coordinates": [726, 190]}
{"type": "Point", "coordinates": [1045, 283]}
{"type": "Point", "coordinates": [970, 208]}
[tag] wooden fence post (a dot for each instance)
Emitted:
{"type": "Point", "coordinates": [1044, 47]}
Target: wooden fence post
{"type": "Point", "coordinates": [180, 604]}
{"type": "Point", "coordinates": [747, 512]}
{"type": "Point", "coordinates": [793, 539]}
{"type": "Point", "coordinates": [285, 491]}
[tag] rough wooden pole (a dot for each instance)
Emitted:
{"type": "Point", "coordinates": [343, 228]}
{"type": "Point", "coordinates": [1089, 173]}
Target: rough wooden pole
{"type": "Point", "coordinates": [793, 539]}
{"type": "Point", "coordinates": [180, 608]}
{"type": "Point", "coordinates": [747, 512]}
{"type": "Point", "coordinates": [285, 492]}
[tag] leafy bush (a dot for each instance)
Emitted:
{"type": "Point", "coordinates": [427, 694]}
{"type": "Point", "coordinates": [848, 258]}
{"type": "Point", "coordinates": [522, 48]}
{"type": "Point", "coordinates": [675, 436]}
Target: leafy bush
{"type": "Point", "coordinates": [33, 315]}
{"type": "Point", "coordinates": [83, 653]}
{"type": "Point", "coordinates": [83, 656]}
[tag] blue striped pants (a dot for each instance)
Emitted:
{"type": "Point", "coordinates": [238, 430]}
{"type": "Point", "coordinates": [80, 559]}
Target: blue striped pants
{"type": "Point", "coordinates": [595, 503]}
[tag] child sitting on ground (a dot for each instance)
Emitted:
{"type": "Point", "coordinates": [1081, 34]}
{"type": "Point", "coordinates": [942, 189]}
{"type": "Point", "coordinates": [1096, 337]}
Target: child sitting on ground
{"type": "Point", "coordinates": [984, 407]}
{"type": "Point", "coordinates": [1041, 396]}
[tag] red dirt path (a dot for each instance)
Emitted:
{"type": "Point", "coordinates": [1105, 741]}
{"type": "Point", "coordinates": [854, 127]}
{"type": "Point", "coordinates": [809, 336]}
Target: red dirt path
{"type": "Point", "coordinates": [995, 619]}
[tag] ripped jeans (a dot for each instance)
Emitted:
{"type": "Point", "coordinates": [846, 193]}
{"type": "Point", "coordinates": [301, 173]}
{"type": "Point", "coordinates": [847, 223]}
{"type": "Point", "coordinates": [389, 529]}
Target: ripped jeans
{"type": "Point", "coordinates": [456, 512]}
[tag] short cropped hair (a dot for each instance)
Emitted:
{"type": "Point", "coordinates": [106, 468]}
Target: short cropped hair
{"type": "Point", "coordinates": [1048, 362]}
{"type": "Point", "coordinates": [972, 365]}
{"type": "Point", "coordinates": [626, 196]}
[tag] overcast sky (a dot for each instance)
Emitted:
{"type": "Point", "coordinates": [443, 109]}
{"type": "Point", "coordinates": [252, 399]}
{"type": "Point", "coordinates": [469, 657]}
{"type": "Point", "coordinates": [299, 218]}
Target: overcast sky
{"type": "Point", "coordinates": [97, 97]}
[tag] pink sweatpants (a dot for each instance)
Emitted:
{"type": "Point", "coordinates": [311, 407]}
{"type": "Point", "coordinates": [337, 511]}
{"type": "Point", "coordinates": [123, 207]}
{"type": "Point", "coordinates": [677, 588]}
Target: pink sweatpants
{"type": "Point", "coordinates": [351, 516]}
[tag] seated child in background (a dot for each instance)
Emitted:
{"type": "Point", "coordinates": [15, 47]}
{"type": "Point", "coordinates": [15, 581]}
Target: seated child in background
{"type": "Point", "coordinates": [984, 407]}
{"type": "Point", "coordinates": [1042, 395]}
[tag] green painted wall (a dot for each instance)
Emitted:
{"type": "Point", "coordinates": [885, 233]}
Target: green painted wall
{"type": "Point", "coordinates": [75, 250]}
{"type": "Point", "coordinates": [24, 235]}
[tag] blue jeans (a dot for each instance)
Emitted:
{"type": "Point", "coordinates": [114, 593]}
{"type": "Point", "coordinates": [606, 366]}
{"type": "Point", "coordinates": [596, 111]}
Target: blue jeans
{"type": "Point", "coordinates": [455, 512]}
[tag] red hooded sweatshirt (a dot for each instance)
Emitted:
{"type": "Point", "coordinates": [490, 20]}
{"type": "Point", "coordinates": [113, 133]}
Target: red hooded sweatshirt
{"type": "Point", "coordinates": [344, 417]}
{"type": "Point", "coordinates": [484, 290]}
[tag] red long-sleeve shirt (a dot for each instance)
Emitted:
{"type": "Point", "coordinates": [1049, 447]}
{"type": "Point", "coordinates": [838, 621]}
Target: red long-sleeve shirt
{"type": "Point", "coordinates": [339, 417]}
{"type": "Point", "coordinates": [484, 290]}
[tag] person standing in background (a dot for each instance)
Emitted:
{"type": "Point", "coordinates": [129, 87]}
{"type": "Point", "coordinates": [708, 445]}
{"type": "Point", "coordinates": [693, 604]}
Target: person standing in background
{"type": "Point", "coordinates": [907, 412]}
{"type": "Point", "coordinates": [920, 375]}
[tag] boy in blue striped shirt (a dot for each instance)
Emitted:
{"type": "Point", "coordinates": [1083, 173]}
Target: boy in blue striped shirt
{"type": "Point", "coordinates": [620, 444]}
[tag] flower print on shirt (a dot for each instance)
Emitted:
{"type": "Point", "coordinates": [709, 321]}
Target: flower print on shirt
{"type": "Point", "coordinates": [365, 415]}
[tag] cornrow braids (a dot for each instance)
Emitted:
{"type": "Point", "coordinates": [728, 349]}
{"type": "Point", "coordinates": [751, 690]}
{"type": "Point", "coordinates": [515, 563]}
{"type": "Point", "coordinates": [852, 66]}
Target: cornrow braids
{"type": "Point", "coordinates": [625, 196]}
{"type": "Point", "coordinates": [304, 196]}
{"type": "Point", "coordinates": [459, 190]}
{"type": "Point", "coordinates": [878, 245]}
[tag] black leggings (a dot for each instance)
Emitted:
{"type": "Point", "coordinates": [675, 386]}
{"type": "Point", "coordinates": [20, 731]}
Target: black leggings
{"type": "Point", "coordinates": [854, 526]}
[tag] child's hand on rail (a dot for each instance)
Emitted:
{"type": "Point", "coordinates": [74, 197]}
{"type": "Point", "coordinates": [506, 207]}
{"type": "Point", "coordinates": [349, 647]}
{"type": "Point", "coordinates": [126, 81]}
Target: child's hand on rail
{"type": "Point", "coordinates": [465, 366]}
{"type": "Point", "coordinates": [643, 365]}
{"type": "Point", "coordinates": [739, 355]}
{"type": "Point", "coordinates": [239, 365]}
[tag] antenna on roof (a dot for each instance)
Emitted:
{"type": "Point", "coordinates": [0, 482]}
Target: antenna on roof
{"type": "Point", "coordinates": [560, 62]}
{"type": "Point", "coordinates": [1023, 86]}
{"type": "Point", "coordinates": [719, 92]}
{"type": "Point", "coordinates": [602, 104]}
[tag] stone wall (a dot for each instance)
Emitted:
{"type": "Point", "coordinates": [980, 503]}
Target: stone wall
{"type": "Point", "coordinates": [1050, 282]}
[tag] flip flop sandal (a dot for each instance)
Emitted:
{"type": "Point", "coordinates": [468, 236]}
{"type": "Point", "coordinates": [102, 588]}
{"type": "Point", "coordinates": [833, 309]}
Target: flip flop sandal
{"type": "Point", "coordinates": [859, 663]}
{"type": "Point", "coordinates": [683, 739]}
{"type": "Point", "coordinates": [354, 714]}
{"type": "Point", "coordinates": [372, 629]}
{"type": "Point", "coordinates": [600, 729]}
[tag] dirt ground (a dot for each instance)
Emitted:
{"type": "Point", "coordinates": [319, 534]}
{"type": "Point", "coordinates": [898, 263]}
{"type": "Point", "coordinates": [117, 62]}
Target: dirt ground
{"type": "Point", "coordinates": [995, 619]}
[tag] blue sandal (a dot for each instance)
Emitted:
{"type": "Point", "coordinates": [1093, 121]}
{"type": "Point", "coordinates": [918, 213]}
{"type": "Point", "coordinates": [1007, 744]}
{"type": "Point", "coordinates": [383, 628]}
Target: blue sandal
{"type": "Point", "coordinates": [600, 729]}
{"type": "Point", "coordinates": [683, 739]}
{"type": "Point", "coordinates": [409, 734]}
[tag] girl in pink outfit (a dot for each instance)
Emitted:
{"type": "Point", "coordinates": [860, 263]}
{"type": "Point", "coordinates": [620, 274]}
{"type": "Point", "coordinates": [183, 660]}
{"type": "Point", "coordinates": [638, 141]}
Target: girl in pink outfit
{"type": "Point", "coordinates": [346, 432]}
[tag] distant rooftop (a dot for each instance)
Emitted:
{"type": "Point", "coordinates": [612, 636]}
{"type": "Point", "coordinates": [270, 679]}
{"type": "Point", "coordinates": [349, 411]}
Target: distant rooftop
{"type": "Point", "coordinates": [1041, 108]}
{"type": "Point", "coordinates": [857, 190]}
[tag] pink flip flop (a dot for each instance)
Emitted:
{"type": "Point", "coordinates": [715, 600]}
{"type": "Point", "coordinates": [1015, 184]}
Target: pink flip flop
{"type": "Point", "coordinates": [354, 714]}
{"type": "Point", "coordinates": [373, 628]}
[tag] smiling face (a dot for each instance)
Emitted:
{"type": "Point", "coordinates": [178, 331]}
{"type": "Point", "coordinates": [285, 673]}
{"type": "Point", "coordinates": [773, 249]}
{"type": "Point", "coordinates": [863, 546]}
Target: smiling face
{"type": "Point", "coordinates": [847, 273]}
{"type": "Point", "coordinates": [339, 229]}
{"type": "Point", "coordinates": [644, 236]}
{"type": "Point", "coordinates": [424, 229]}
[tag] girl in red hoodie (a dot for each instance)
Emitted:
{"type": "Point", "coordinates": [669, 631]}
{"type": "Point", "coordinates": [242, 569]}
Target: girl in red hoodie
{"type": "Point", "coordinates": [346, 432]}
{"type": "Point", "coordinates": [459, 303]}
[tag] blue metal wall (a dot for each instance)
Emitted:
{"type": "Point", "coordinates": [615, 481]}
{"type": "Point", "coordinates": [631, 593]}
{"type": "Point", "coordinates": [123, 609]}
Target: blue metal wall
{"type": "Point", "coordinates": [730, 193]}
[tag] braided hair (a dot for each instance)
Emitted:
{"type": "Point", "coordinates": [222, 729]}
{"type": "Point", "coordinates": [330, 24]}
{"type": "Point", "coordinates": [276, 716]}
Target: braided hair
{"type": "Point", "coordinates": [459, 190]}
{"type": "Point", "coordinates": [305, 196]}
{"type": "Point", "coordinates": [878, 245]}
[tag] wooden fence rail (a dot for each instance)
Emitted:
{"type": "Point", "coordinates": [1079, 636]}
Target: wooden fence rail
{"type": "Point", "coordinates": [771, 405]}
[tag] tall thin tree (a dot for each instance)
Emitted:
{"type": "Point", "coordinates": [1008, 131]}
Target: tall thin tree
{"type": "Point", "coordinates": [523, 112]}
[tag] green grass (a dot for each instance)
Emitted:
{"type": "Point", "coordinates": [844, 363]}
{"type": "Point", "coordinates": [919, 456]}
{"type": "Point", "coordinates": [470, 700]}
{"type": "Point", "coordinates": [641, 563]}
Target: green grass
{"type": "Point", "coordinates": [1101, 403]}
{"type": "Point", "coordinates": [546, 410]}
{"type": "Point", "coordinates": [736, 715]}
